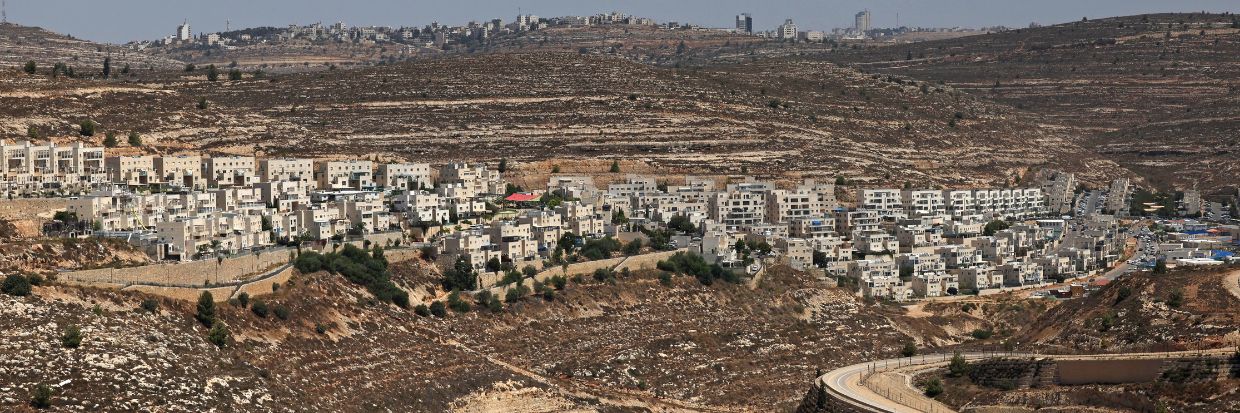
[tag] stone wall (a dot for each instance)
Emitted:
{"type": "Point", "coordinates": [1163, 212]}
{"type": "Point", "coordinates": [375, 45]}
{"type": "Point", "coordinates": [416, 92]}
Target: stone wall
{"type": "Point", "coordinates": [1011, 374]}
{"type": "Point", "coordinates": [819, 400]}
{"type": "Point", "coordinates": [202, 272]}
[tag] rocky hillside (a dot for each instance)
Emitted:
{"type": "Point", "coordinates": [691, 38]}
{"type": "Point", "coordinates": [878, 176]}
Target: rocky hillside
{"type": "Point", "coordinates": [1182, 310]}
{"type": "Point", "coordinates": [1156, 93]}
{"type": "Point", "coordinates": [21, 44]}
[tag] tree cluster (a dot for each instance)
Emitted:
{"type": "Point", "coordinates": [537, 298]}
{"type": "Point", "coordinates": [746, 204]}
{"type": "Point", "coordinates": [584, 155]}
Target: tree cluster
{"type": "Point", "coordinates": [367, 268]}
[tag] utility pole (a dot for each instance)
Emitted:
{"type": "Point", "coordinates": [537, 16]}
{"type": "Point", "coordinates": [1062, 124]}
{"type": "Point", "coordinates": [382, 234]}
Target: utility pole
{"type": "Point", "coordinates": [4, 11]}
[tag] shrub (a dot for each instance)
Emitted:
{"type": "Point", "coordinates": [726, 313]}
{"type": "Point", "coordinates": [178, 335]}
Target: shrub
{"type": "Point", "coordinates": [633, 248]}
{"type": "Point", "coordinates": [958, 367]}
{"type": "Point", "coordinates": [548, 294]}
{"type": "Point", "coordinates": [982, 334]}
{"type": "Point", "coordinates": [308, 262]}
{"type": "Point", "coordinates": [559, 282]}
{"type": "Point", "coordinates": [87, 128]}
{"type": "Point", "coordinates": [934, 387]}
{"type": "Point", "coordinates": [457, 304]}
{"type": "Point", "coordinates": [16, 285]}
{"type": "Point", "coordinates": [41, 397]}
{"type": "Point", "coordinates": [259, 308]}
{"type": "Point", "coordinates": [243, 299]}
{"type": "Point", "coordinates": [275, 287]}
{"type": "Point", "coordinates": [1175, 299]}
{"type": "Point", "coordinates": [218, 335]}
{"type": "Point", "coordinates": [206, 309]}
{"type": "Point", "coordinates": [320, 328]}
{"type": "Point", "coordinates": [150, 305]}
{"type": "Point", "coordinates": [281, 311]}
{"type": "Point", "coordinates": [35, 279]}
{"type": "Point", "coordinates": [31, 67]}
{"type": "Point", "coordinates": [529, 271]}
{"type": "Point", "coordinates": [421, 310]}
{"type": "Point", "coordinates": [603, 274]}
{"type": "Point", "coordinates": [1122, 294]}
{"type": "Point", "coordinates": [665, 278]}
{"type": "Point", "coordinates": [438, 309]}
{"type": "Point", "coordinates": [495, 305]}
{"type": "Point", "coordinates": [72, 338]}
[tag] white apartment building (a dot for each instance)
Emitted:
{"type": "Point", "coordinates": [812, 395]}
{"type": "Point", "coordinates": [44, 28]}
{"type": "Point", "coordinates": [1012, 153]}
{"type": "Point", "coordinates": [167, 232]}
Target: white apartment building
{"type": "Point", "coordinates": [924, 202]}
{"type": "Point", "coordinates": [886, 202]}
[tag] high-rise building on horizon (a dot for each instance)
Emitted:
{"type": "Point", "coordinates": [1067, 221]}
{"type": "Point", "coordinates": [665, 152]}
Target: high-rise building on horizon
{"type": "Point", "coordinates": [744, 23]}
{"type": "Point", "coordinates": [862, 22]}
{"type": "Point", "coordinates": [183, 32]}
{"type": "Point", "coordinates": [787, 31]}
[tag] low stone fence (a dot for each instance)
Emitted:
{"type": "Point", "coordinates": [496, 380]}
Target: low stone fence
{"type": "Point", "coordinates": [633, 263]}
{"type": "Point", "coordinates": [202, 272]}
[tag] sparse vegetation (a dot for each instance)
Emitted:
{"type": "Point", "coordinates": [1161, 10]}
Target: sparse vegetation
{"type": "Point", "coordinates": [72, 337]}
{"type": "Point", "coordinates": [16, 285]}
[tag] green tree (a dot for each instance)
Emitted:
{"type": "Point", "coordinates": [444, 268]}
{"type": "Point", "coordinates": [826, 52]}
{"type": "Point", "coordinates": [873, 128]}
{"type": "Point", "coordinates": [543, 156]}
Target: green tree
{"type": "Point", "coordinates": [189, 67]}
{"type": "Point", "coordinates": [994, 226]}
{"type": "Point", "coordinates": [107, 67]}
{"type": "Point", "coordinates": [219, 335]}
{"type": "Point", "coordinates": [87, 128]}
{"type": "Point", "coordinates": [16, 285]}
{"type": "Point", "coordinates": [634, 247]}
{"type": "Point", "coordinates": [503, 165]}
{"type": "Point", "coordinates": [41, 397]}
{"type": "Point", "coordinates": [125, 69]}
{"type": "Point", "coordinates": [109, 140]}
{"type": "Point", "coordinates": [213, 74]}
{"type": "Point", "coordinates": [206, 309]}
{"type": "Point", "coordinates": [135, 140]}
{"type": "Point", "coordinates": [202, 103]}
{"type": "Point", "coordinates": [457, 304]}
{"type": "Point", "coordinates": [422, 310]}
{"type": "Point", "coordinates": [461, 276]}
{"type": "Point", "coordinates": [909, 349]}
{"type": "Point", "coordinates": [958, 367]}
{"type": "Point", "coordinates": [32, 132]}
{"type": "Point", "coordinates": [529, 271]}
{"type": "Point", "coordinates": [31, 67]}
{"type": "Point", "coordinates": [438, 309]}
{"type": "Point", "coordinates": [555, 169]}
{"type": "Point", "coordinates": [234, 74]}
{"type": "Point", "coordinates": [282, 312]}
{"type": "Point", "coordinates": [72, 338]}
{"type": "Point", "coordinates": [615, 166]}
{"type": "Point", "coordinates": [1160, 266]}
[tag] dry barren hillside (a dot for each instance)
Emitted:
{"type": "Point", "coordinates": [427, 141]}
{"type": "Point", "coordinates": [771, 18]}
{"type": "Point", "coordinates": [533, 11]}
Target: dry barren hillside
{"type": "Point", "coordinates": [1156, 93]}
{"type": "Point", "coordinates": [21, 44]}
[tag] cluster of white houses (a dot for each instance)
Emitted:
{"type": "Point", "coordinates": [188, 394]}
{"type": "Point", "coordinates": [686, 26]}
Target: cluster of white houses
{"type": "Point", "coordinates": [898, 243]}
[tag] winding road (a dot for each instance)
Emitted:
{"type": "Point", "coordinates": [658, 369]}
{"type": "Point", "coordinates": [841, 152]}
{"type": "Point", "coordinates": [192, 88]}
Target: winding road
{"type": "Point", "coordinates": [848, 384]}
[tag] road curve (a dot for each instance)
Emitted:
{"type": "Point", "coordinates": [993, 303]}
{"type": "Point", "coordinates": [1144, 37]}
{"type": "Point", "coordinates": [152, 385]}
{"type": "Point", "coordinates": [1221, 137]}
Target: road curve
{"type": "Point", "coordinates": [845, 383]}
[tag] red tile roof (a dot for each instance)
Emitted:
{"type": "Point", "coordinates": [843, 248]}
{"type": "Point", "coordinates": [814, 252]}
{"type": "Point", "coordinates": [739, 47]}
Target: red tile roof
{"type": "Point", "coordinates": [526, 197]}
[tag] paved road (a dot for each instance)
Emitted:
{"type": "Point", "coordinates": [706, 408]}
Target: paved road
{"type": "Point", "coordinates": [845, 383]}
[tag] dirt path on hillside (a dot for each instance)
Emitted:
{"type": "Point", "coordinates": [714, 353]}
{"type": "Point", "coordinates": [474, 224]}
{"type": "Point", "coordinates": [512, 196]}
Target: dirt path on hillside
{"type": "Point", "coordinates": [614, 397]}
{"type": "Point", "coordinates": [1232, 283]}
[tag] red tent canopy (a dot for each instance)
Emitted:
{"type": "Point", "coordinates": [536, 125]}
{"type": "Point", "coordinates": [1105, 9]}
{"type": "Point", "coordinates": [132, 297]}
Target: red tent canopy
{"type": "Point", "coordinates": [526, 197]}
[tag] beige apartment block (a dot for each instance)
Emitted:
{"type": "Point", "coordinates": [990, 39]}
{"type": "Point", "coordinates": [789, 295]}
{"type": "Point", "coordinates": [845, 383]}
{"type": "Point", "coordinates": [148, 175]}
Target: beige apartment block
{"type": "Point", "coordinates": [286, 170]}
{"type": "Point", "coordinates": [184, 171]}
{"type": "Point", "coordinates": [347, 174]}
{"type": "Point", "coordinates": [404, 176]}
{"type": "Point", "coordinates": [225, 171]}
{"type": "Point", "coordinates": [131, 170]}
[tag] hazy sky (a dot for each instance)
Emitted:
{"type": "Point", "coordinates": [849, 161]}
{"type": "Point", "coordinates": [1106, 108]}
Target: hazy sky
{"type": "Point", "coordinates": [119, 21]}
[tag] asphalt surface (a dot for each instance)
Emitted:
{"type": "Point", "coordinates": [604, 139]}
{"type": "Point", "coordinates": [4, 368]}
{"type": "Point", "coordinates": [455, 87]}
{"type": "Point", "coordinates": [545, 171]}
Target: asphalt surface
{"type": "Point", "coordinates": [845, 383]}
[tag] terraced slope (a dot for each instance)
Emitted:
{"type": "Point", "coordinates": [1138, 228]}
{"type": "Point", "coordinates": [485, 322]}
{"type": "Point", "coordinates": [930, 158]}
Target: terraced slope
{"type": "Point", "coordinates": [1156, 93]}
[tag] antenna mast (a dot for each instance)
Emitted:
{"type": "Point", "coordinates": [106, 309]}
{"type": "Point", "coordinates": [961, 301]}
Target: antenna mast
{"type": "Point", "coordinates": [4, 11]}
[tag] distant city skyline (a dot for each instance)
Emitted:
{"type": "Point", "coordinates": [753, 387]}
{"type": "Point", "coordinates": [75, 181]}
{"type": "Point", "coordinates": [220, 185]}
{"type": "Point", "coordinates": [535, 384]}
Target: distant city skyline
{"type": "Point", "coordinates": [127, 20]}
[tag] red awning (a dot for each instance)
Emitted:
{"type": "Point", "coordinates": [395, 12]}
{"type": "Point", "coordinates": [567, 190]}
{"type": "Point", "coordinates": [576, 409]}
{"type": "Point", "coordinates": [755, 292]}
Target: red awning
{"type": "Point", "coordinates": [519, 197]}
